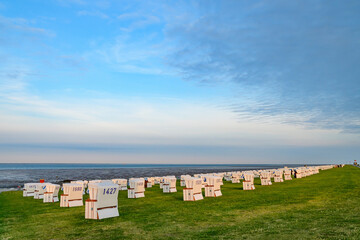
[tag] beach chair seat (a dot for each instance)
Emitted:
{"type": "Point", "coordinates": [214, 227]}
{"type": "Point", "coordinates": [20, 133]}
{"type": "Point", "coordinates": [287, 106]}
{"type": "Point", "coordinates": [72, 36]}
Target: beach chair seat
{"type": "Point", "coordinates": [287, 174]}
{"type": "Point", "coordinates": [190, 195]}
{"type": "Point", "coordinates": [122, 183]}
{"type": "Point", "coordinates": [149, 182]}
{"type": "Point", "coordinates": [247, 185]}
{"type": "Point", "coordinates": [73, 195]}
{"type": "Point", "coordinates": [169, 185]}
{"type": "Point", "coordinates": [265, 182]}
{"type": "Point", "coordinates": [29, 189]}
{"type": "Point", "coordinates": [133, 194]}
{"type": "Point", "coordinates": [52, 193]}
{"type": "Point", "coordinates": [162, 181]}
{"type": "Point", "coordinates": [157, 180]}
{"type": "Point", "coordinates": [137, 188]}
{"type": "Point", "coordinates": [278, 176]}
{"type": "Point", "coordinates": [265, 178]}
{"type": "Point", "coordinates": [213, 189]}
{"type": "Point", "coordinates": [248, 182]}
{"type": "Point", "coordinates": [235, 178]}
{"type": "Point", "coordinates": [103, 201]}
{"type": "Point", "coordinates": [39, 190]}
{"type": "Point", "coordinates": [193, 189]}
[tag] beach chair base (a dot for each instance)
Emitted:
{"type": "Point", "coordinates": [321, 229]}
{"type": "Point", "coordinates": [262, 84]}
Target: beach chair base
{"type": "Point", "coordinates": [38, 195]}
{"type": "Point", "coordinates": [265, 181]}
{"type": "Point", "coordinates": [75, 203]}
{"type": "Point", "coordinates": [65, 202]}
{"type": "Point", "coordinates": [248, 185]}
{"type": "Point", "coordinates": [168, 189]}
{"type": "Point", "coordinates": [218, 193]}
{"type": "Point", "coordinates": [278, 179]}
{"type": "Point", "coordinates": [189, 195]}
{"type": "Point", "coordinates": [92, 212]}
{"type": "Point", "coordinates": [49, 197]}
{"type": "Point", "coordinates": [28, 194]}
{"type": "Point", "coordinates": [210, 191]}
{"type": "Point", "coordinates": [288, 177]}
{"type": "Point", "coordinates": [133, 194]}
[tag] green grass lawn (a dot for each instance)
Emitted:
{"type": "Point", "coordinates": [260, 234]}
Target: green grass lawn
{"type": "Point", "coordinates": [322, 206]}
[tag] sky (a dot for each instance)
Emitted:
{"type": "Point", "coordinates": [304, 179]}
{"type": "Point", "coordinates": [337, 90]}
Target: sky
{"type": "Point", "coordinates": [205, 82]}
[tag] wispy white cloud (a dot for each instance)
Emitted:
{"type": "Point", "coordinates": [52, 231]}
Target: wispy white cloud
{"type": "Point", "coordinates": [94, 4]}
{"type": "Point", "coordinates": [30, 118]}
{"type": "Point", "coordinates": [22, 25]}
{"type": "Point", "coordinates": [93, 14]}
{"type": "Point", "coordinates": [137, 20]}
{"type": "Point", "coordinates": [288, 58]}
{"type": "Point", "coordinates": [126, 54]}
{"type": "Point", "coordinates": [70, 2]}
{"type": "Point", "coordinates": [102, 117]}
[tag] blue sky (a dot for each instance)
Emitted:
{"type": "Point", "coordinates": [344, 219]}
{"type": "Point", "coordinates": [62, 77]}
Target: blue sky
{"type": "Point", "coordinates": [179, 82]}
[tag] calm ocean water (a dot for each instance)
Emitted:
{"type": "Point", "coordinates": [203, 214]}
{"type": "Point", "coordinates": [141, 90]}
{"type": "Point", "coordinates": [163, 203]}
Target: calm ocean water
{"type": "Point", "coordinates": [16, 174]}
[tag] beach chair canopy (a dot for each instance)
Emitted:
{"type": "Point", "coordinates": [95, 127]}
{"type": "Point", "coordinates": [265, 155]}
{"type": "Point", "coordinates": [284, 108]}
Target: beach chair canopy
{"type": "Point", "coordinates": [73, 190]}
{"type": "Point", "coordinates": [106, 194]}
{"type": "Point", "coordinates": [138, 184]}
{"type": "Point", "coordinates": [194, 183]}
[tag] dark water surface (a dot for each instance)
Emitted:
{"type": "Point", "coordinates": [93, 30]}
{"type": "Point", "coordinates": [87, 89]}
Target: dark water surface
{"type": "Point", "coordinates": [14, 175]}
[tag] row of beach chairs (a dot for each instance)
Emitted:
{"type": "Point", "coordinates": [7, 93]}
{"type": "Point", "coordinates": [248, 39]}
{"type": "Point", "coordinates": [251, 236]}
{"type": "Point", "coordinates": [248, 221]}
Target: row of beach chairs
{"type": "Point", "coordinates": [103, 194]}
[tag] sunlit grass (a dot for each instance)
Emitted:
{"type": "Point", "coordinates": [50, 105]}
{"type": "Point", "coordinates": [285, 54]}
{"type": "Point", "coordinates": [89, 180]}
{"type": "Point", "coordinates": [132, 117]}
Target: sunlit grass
{"type": "Point", "coordinates": [325, 206]}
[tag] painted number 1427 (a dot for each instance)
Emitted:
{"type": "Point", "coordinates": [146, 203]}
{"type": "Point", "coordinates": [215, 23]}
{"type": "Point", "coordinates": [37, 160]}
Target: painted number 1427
{"type": "Point", "coordinates": [109, 191]}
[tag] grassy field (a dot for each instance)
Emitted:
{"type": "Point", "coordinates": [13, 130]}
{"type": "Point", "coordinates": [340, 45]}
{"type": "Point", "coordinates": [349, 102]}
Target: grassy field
{"type": "Point", "coordinates": [322, 206]}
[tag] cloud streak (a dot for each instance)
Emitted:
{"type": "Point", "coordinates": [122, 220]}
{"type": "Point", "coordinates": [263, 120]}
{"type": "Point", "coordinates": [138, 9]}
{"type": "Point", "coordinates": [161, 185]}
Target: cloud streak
{"type": "Point", "coordinates": [16, 25]}
{"type": "Point", "coordinates": [93, 14]}
{"type": "Point", "coordinates": [288, 57]}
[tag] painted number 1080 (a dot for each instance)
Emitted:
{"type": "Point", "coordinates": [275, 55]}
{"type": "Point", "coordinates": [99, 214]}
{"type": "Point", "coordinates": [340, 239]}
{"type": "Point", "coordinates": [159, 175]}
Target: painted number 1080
{"type": "Point", "coordinates": [109, 191]}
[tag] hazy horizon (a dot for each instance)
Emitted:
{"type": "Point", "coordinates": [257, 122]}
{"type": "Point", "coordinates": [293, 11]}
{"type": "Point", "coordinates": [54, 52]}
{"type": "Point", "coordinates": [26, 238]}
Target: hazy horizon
{"type": "Point", "coordinates": [202, 82]}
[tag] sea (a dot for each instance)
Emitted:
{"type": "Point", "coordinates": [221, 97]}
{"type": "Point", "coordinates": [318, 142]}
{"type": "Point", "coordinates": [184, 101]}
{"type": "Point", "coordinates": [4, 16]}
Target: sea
{"type": "Point", "coordinates": [14, 175]}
